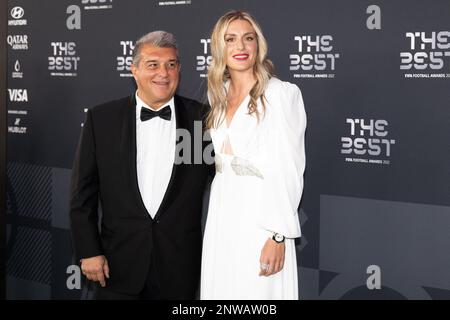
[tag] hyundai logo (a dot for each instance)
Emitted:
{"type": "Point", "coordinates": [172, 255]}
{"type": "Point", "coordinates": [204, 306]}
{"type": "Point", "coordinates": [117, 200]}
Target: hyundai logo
{"type": "Point", "coordinates": [17, 12]}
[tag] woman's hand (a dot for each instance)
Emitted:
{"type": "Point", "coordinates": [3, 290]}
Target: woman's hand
{"type": "Point", "coordinates": [272, 258]}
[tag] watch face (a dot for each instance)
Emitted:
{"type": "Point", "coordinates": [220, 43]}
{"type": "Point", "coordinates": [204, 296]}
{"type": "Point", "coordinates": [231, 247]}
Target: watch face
{"type": "Point", "coordinates": [279, 237]}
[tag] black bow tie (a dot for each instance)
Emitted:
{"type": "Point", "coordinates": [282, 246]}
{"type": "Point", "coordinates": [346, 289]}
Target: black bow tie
{"type": "Point", "coordinates": [164, 113]}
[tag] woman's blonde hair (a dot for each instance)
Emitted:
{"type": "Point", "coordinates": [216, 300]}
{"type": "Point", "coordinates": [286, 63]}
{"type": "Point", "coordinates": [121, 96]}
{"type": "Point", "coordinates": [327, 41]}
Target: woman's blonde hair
{"type": "Point", "coordinates": [218, 72]}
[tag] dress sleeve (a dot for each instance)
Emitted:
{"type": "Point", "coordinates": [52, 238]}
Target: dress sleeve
{"type": "Point", "coordinates": [284, 162]}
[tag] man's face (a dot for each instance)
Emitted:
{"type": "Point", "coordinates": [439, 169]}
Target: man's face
{"type": "Point", "coordinates": [156, 75]}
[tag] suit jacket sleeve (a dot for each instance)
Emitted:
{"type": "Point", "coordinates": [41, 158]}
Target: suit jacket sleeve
{"type": "Point", "coordinates": [84, 195]}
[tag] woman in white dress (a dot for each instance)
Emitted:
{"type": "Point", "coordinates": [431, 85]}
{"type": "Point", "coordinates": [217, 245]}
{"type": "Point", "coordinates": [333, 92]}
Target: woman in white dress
{"type": "Point", "coordinates": [257, 125]}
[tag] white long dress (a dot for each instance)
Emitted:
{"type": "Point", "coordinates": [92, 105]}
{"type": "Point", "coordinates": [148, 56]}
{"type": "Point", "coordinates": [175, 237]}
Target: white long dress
{"type": "Point", "coordinates": [256, 191]}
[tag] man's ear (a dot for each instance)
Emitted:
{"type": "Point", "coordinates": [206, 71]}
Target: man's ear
{"type": "Point", "coordinates": [133, 70]}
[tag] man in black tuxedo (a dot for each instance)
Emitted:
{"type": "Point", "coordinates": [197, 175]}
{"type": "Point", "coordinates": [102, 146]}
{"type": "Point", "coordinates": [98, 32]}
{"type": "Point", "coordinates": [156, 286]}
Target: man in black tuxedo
{"type": "Point", "coordinates": [149, 243]}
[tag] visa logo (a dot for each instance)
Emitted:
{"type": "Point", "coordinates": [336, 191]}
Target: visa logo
{"type": "Point", "coordinates": [18, 95]}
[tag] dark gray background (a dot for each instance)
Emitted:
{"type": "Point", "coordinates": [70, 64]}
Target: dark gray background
{"type": "Point", "coordinates": [353, 215]}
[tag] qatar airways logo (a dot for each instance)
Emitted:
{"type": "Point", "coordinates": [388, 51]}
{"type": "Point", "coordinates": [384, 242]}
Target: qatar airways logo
{"type": "Point", "coordinates": [315, 57]}
{"type": "Point", "coordinates": [204, 59]}
{"type": "Point", "coordinates": [427, 55]}
{"type": "Point", "coordinates": [18, 41]}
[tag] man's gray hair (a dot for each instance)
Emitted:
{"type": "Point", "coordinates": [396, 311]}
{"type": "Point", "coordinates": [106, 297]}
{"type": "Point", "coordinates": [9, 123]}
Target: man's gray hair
{"type": "Point", "coordinates": [160, 39]}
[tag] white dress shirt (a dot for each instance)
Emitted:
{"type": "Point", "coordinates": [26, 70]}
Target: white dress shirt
{"type": "Point", "coordinates": [155, 154]}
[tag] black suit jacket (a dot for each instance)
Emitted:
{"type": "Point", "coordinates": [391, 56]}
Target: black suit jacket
{"type": "Point", "coordinates": [105, 172]}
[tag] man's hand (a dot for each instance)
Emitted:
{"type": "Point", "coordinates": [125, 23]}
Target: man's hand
{"type": "Point", "coordinates": [96, 269]}
{"type": "Point", "coordinates": [272, 258]}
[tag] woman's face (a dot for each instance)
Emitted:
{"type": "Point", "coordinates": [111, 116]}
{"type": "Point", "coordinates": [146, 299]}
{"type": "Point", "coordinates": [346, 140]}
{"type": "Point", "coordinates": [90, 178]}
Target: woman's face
{"type": "Point", "coordinates": [241, 46]}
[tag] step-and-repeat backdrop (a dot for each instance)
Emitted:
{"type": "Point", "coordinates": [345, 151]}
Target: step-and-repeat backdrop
{"type": "Point", "coordinates": [375, 77]}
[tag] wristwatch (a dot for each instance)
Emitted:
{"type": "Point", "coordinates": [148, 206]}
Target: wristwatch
{"type": "Point", "coordinates": [278, 238]}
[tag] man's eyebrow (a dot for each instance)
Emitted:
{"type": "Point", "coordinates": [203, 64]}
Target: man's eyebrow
{"type": "Point", "coordinates": [156, 60]}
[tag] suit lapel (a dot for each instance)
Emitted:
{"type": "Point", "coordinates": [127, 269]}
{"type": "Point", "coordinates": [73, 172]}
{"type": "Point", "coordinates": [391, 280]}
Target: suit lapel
{"type": "Point", "coordinates": [177, 169]}
{"type": "Point", "coordinates": [128, 154]}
